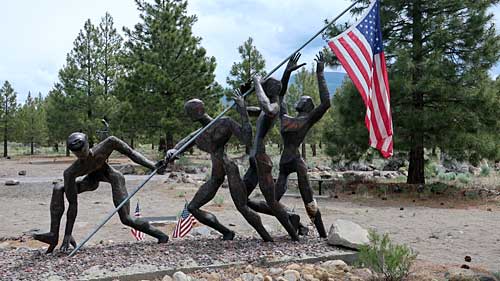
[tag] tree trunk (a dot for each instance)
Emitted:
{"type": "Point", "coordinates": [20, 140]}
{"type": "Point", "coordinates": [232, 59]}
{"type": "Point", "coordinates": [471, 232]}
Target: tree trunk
{"type": "Point", "coordinates": [304, 150]}
{"type": "Point", "coordinates": [320, 145]}
{"type": "Point", "coordinates": [162, 146]}
{"type": "Point", "coordinates": [170, 141]}
{"type": "Point", "coordinates": [313, 147]}
{"type": "Point", "coordinates": [416, 173]}
{"type": "Point", "coordinates": [5, 139]}
{"type": "Point", "coordinates": [67, 151]}
{"type": "Point", "coordinates": [32, 147]}
{"type": "Point", "coordinates": [152, 145]}
{"type": "Point", "coordinates": [56, 147]}
{"type": "Point", "coordinates": [132, 142]}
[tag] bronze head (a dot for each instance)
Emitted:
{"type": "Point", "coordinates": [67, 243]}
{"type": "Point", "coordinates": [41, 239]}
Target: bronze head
{"type": "Point", "coordinates": [195, 109]}
{"type": "Point", "coordinates": [272, 88]}
{"type": "Point", "coordinates": [304, 105]}
{"type": "Point", "coordinates": [78, 144]}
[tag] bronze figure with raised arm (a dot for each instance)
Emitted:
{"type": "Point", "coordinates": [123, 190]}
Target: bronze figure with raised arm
{"type": "Point", "coordinates": [260, 170]}
{"type": "Point", "coordinates": [214, 141]}
{"type": "Point", "coordinates": [293, 131]}
{"type": "Point", "coordinates": [91, 163]}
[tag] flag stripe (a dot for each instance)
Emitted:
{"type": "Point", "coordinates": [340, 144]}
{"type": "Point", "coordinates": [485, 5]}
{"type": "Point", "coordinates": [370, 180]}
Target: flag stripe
{"type": "Point", "coordinates": [360, 51]}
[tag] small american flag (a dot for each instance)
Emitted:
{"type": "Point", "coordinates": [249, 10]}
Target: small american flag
{"type": "Point", "coordinates": [184, 224]}
{"type": "Point", "coordinates": [360, 51]}
{"type": "Point", "coordinates": [138, 235]}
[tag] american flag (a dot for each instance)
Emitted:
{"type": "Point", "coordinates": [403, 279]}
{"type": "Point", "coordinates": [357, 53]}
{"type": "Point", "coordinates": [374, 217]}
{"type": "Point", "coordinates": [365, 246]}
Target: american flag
{"type": "Point", "coordinates": [360, 51]}
{"type": "Point", "coordinates": [184, 224]}
{"type": "Point", "coordinates": [139, 236]}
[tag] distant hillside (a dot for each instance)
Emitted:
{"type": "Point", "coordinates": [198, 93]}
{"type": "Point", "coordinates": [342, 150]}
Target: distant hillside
{"type": "Point", "coordinates": [333, 80]}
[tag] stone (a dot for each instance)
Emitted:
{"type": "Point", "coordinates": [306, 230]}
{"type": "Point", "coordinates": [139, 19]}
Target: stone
{"type": "Point", "coordinates": [294, 266]}
{"type": "Point", "coordinates": [347, 234]}
{"type": "Point", "coordinates": [180, 276]}
{"type": "Point", "coordinates": [11, 182]}
{"type": "Point", "coordinates": [363, 273]}
{"type": "Point", "coordinates": [258, 277]}
{"type": "Point", "coordinates": [191, 170]}
{"type": "Point", "coordinates": [167, 278]}
{"type": "Point", "coordinates": [275, 271]}
{"type": "Point", "coordinates": [308, 277]}
{"type": "Point", "coordinates": [460, 274]}
{"type": "Point", "coordinates": [376, 173]}
{"type": "Point", "coordinates": [22, 173]}
{"type": "Point", "coordinates": [126, 169]}
{"type": "Point", "coordinates": [214, 276]}
{"type": "Point", "coordinates": [268, 278]}
{"type": "Point", "coordinates": [247, 276]}
{"type": "Point", "coordinates": [335, 265]}
{"type": "Point", "coordinates": [5, 246]}
{"type": "Point", "coordinates": [291, 275]}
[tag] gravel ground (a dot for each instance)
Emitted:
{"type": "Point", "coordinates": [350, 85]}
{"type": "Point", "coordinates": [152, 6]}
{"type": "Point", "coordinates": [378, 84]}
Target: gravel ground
{"type": "Point", "coordinates": [125, 258]}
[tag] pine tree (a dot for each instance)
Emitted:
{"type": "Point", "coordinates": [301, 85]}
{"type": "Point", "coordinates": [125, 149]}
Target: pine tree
{"type": "Point", "coordinates": [252, 63]}
{"type": "Point", "coordinates": [31, 123]}
{"type": "Point", "coordinates": [164, 66]}
{"type": "Point", "coordinates": [7, 112]}
{"type": "Point", "coordinates": [439, 53]}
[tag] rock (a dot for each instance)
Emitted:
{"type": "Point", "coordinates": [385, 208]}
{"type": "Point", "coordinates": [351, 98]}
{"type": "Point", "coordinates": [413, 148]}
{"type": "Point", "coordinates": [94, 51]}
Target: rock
{"type": "Point", "coordinates": [275, 271]}
{"type": "Point", "coordinates": [202, 231]}
{"type": "Point", "coordinates": [348, 234]}
{"type": "Point", "coordinates": [308, 277]}
{"type": "Point", "coordinates": [191, 170]}
{"type": "Point", "coordinates": [335, 265]}
{"type": "Point", "coordinates": [376, 173]}
{"type": "Point", "coordinates": [460, 274]}
{"type": "Point", "coordinates": [268, 278]}
{"type": "Point", "coordinates": [258, 277]}
{"type": "Point", "coordinates": [180, 276]}
{"type": "Point", "coordinates": [167, 278]}
{"type": "Point", "coordinates": [247, 276]}
{"type": "Point", "coordinates": [5, 246]}
{"type": "Point", "coordinates": [363, 273]}
{"type": "Point", "coordinates": [294, 266]}
{"type": "Point", "coordinates": [22, 173]}
{"type": "Point", "coordinates": [291, 275]}
{"type": "Point", "coordinates": [126, 169]}
{"type": "Point", "coordinates": [214, 276]}
{"type": "Point", "coordinates": [11, 182]}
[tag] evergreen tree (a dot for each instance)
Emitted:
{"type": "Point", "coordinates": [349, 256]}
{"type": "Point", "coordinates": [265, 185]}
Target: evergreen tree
{"type": "Point", "coordinates": [7, 112]}
{"type": "Point", "coordinates": [252, 63]}
{"type": "Point", "coordinates": [438, 53]}
{"type": "Point", "coordinates": [31, 123]}
{"type": "Point", "coordinates": [164, 66]}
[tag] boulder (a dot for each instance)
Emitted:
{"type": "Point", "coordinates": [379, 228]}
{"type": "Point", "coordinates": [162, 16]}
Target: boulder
{"type": "Point", "coordinates": [291, 275]}
{"type": "Point", "coordinates": [247, 276]}
{"type": "Point", "coordinates": [167, 278]}
{"type": "Point", "coordinates": [191, 170]}
{"type": "Point", "coordinates": [22, 173]}
{"type": "Point", "coordinates": [460, 274]}
{"type": "Point", "coordinates": [202, 231]}
{"type": "Point", "coordinates": [347, 234]}
{"type": "Point", "coordinates": [180, 276]}
{"type": "Point", "coordinates": [11, 182]}
{"type": "Point", "coordinates": [335, 265]}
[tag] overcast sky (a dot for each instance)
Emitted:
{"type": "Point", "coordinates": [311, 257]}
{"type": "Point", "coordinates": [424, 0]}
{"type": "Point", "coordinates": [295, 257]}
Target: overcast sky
{"type": "Point", "coordinates": [37, 35]}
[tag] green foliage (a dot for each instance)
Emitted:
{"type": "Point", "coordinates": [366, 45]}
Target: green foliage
{"type": "Point", "coordinates": [463, 178]}
{"type": "Point", "coordinates": [485, 171]}
{"type": "Point", "coordinates": [164, 66]}
{"type": "Point", "coordinates": [252, 63]}
{"type": "Point", "coordinates": [447, 176]}
{"type": "Point", "coordinates": [31, 122]}
{"type": "Point", "coordinates": [431, 169]}
{"type": "Point", "coordinates": [384, 257]}
{"type": "Point", "coordinates": [438, 53]}
{"type": "Point", "coordinates": [218, 200]}
{"type": "Point", "coordinates": [8, 109]}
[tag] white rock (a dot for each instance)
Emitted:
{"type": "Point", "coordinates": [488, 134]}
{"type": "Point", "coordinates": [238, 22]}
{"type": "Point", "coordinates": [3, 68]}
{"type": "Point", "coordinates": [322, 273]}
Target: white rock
{"type": "Point", "coordinates": [247, 276]}
{"type": "Point", "coordinates": [11, 182]}
{"type": "Point", "coordinates": [335, 265]}
{"type": "Point", "coordinates": [291, 275]}
{"type": "Point", "coordinates": [275, 271]}
{"type": "Point", "coordinates": [202, 231]}
{"type": "Point", "coordinates": [180, 276]}
{"type": "Point", "coordinates": [167, 278]}
{"type": "Point", "coordinates": [348, 234]}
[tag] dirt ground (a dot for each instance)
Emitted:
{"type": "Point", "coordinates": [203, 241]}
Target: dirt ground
{"type": "Point", "coordinates": [442, 232]}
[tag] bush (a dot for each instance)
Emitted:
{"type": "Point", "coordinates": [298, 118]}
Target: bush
{"type": "Point", "coordinates": [382, 256]}
{"type": "Point", "coordinates": [219, 200]}
{"type": "Point", "coordinates": [447, 176]}
{"type": "Point", "coordinates": [463, 178]}
{"type": "Point", "coordinates": [485, 171]}
{"type": "Point", "coordinates": [430, 170]}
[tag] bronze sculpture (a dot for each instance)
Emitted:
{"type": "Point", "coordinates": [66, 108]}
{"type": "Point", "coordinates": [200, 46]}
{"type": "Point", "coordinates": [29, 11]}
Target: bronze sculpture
{"type": "Point", "coordinates": [214, 141]}
{"type": "Point", "coordinates": [91, 163]}
{"type": "Point", "coordinates": [260, 170]}
{"type": "Point", "coordinates": [293, 130]}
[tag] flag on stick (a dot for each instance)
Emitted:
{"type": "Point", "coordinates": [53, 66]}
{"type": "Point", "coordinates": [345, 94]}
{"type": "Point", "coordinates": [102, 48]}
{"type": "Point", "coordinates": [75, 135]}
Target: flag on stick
{"type": "Point", "coordinates": [138, 235]}
{"type": "Point", "coordinates": [184, 224]}
{"type": "Point", "coordinates": [360, 51]}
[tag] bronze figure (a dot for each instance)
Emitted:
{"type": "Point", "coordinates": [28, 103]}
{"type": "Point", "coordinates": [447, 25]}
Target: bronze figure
{"type": "Point", "coordinates": [293, 131]}
{"type": "Point", "coordinates": [260, 170]}
{"type": "Point", "coordinates": [213, 141]}
{"type": "Point", "coordinates": [91, 163]}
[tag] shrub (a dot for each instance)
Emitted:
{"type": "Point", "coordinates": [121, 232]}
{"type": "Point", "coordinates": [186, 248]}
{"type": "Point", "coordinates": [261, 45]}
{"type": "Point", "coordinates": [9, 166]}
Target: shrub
{"type": "Point", "coordinates": [219, 200]}
{"type": "Point", "coordinates": [485, 171]}
{"type": "Point", "coordinates": [463, 178]}
{"type": "Point", "coordinates": [430, 170]}
{"type": "Point", "coordinates": [382, 256]}
{"type": "Point", "coordinates": [447, 176]}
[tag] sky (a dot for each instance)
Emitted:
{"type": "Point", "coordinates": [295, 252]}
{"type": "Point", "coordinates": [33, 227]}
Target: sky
{"type": "Point", "coordinates": [37, 35]}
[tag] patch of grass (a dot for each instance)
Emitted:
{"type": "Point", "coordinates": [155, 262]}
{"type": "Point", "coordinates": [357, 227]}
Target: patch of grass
{"type": "Point", "coordinates": [383, 256]}
{"type": "Point", "coordinates": [218, 200]}
{"type": "Point", "coordinates": [447, 176]}
{"type": "Point", "coordinates": [181, 194]}
{"type": "Point", "coordinates": [183, 161]}
{"type": "Point", "coordinates": [438, 187]}
{"type": "Point", "coordinates": [463, 178]}
{"type": "Point", "coordinates": [485, 171]}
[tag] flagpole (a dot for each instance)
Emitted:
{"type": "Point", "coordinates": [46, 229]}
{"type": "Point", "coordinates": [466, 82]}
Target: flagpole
{"type": "Point", "coordinates": [192, 139]}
